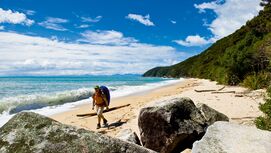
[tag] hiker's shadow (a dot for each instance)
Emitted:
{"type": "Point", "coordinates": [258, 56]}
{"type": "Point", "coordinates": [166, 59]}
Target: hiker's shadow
{"type": "Point", "coordinates": [112, 126]}
{"type": "Point", "coordinates": [116, 124]}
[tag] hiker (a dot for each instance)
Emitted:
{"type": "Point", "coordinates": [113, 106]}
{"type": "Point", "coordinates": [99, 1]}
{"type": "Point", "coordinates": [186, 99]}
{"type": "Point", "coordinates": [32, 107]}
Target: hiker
{"type": "Point", "coordinates": [99, 99]}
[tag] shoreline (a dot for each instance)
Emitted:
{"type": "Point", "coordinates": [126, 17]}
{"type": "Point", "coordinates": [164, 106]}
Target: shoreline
{"type": "Point", "coordinates": [241, 110]}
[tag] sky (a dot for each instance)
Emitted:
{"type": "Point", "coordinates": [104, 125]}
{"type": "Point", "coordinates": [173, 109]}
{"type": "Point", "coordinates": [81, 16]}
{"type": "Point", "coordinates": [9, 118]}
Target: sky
{"type": "Point", "coordinates": [99, 37]}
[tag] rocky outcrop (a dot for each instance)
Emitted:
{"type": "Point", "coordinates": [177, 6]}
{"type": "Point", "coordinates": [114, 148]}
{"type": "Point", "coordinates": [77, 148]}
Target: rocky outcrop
{"type": "Point", "coordinates": [129, 136]}
{"type": "Point", "coordinates": [210, 114]}
{"type": "Point", "coordinates": [173, 125]}
{"type": "Point", "coordinates": [225, 137]}
{"type": "Point", "coordinates": [30, 132]}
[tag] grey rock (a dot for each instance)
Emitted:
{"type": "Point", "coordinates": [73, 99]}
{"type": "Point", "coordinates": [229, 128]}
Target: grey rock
{"type": "Point", "coordinates": [30, 132]}
{"type": "Point", "coordinates": [171, 126]}
{"type": "Point", "coordinates": [210, 114]}
{"type": "Point", "coordinates": [129, 136]}
{"type": "Point", "coordinates": [225, 137]}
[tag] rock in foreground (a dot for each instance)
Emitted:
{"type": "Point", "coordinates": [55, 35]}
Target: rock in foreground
{"type": "Point", "coordinates": [174, 124]}
{"type": "Point", "coordinates": [30, 132]}
{"type": "Point", "coordinates": [232, 138]}
{"type": "Point", "coordinates": [171, 126]}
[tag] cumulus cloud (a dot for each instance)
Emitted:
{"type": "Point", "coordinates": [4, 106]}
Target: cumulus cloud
{"type": "Point", "coordinates": [13, 17]}
{"type": "Point", "coordinates": [91, 20]}
{"type": "Point", "coordinates": [31, 55]}
{"type": "Point", "coordinates": [230, 16]}
{"type": "Point", "coordinates": [141, 19]}
{"type": "Point", "coordinates": [209, 5]}
{"type": "Point", "coordinates": [109, 37]}
{"type": "Point", "coordinates": [195, 40]}
{"type": "Point", "coordinates": [54, 23]}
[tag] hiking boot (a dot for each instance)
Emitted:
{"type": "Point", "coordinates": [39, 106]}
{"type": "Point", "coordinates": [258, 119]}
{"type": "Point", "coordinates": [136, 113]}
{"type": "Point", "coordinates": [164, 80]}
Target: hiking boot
{"type": "Point", "coordinates": [98, 126]}
{"type": "Point", "coordinates": [105, 123]}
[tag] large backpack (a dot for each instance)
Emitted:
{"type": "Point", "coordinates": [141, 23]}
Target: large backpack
{"type": "Point", "coordinates": [106, 92]}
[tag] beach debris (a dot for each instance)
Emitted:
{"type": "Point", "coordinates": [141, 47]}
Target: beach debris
{"type": "Point", "coordinates": [173, 125]}
{"type": "Point", "coordinates": [30, 132]}
{"type": "Point", "coordinates": [110, 109]}
{"type": "Point", "coordinates": [211, 115]}
{"type": "Point", "coordinates": [229, 137]}
{"type": "Point", "coordinates": [209, 90]}
{"type": "Point", "coordinates": [221, 92]}
{"type": "Point", "coordinates": [239, 95]}
{"type": "Point", "coordinates": [129, 136]}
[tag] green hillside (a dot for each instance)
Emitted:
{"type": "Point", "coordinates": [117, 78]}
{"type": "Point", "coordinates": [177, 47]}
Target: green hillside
{"type": "Point", "coordinates": [231, 60]}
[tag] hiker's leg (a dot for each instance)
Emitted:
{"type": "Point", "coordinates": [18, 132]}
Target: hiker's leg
{"type": "Point", "coordinates": [101, 113]}
{"type": "Point", "coordinates": [98, 110]}
{"type": "Point", "coordinates": [99, 119]}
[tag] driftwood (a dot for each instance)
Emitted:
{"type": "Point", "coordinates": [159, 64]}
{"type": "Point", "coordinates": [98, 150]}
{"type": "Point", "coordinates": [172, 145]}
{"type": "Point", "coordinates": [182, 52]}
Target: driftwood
{"type": "Point", "coordinates": [219, 92]}
{"type": "Point", "coordinates": [94, 114]}
{"type": "Point", "coordinates": [239, 95]}
{"type": "Point", "coordinates": [204, 90]}
{"type": "Point", "coordinates": [210, 90]}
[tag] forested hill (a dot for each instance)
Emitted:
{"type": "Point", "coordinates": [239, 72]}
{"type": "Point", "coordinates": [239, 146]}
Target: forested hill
{"type": "Point", "coordinates": [230, 60]}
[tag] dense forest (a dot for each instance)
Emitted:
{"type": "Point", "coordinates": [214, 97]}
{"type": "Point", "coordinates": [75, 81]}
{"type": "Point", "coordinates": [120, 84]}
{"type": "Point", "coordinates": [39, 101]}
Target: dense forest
{"type": "Point", "coordinates": [240, 58]}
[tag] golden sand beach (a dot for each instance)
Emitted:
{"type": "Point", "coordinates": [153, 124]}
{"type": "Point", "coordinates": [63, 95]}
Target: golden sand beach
{"type": "Point", "coordinates": [238, 103]}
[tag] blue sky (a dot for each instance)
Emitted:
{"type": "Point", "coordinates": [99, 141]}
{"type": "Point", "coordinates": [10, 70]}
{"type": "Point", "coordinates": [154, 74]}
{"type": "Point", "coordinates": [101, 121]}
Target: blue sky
{"type": "Point", "coordinates": [108, 37]}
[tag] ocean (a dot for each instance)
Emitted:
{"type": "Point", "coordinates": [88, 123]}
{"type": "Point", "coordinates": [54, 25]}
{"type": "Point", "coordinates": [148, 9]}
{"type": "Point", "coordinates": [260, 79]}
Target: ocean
{"type": "Point", "coordinates": [48, 95]}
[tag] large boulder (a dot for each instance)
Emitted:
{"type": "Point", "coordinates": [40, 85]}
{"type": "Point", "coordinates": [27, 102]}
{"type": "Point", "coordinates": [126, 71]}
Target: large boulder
{"type": "Point", "coordinates": [129, 136]}
{"type": "Point", "coordinates": [225, 137]}
{"type": "Point", "coordinates": [210, 114]}
{"type": "Point", "coordinates": [30, 132]}
{"type": "Point", "coordinates": [171, 126]}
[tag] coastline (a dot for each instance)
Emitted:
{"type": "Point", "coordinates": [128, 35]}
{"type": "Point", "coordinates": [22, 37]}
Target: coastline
{"type": "Point", "coordinates": [240, 110]}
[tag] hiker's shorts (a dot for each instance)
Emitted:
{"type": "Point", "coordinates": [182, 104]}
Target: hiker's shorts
{"type": "Point", "coordinates": [99, 110]}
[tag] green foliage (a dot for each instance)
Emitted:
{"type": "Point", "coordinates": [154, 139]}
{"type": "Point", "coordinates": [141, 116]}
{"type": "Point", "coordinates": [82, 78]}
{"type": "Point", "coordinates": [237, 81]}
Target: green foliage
{"type": "Point", "coordinates": [257, 80]}
{"type": "Point", "coordinates": [264, 122]}
{"type": "Point", "coordinates": [231, 59]}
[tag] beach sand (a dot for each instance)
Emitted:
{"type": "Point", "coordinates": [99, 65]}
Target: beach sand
{"type": "Point", "coordinates": [241, 107]}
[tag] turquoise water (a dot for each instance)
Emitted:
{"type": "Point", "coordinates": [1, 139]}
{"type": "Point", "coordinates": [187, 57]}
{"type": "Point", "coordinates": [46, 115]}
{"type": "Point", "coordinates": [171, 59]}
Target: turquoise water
{"type": "Point", "coordinates": [29, 93]}
{"type": "Point", "coordinates": [14, 86]}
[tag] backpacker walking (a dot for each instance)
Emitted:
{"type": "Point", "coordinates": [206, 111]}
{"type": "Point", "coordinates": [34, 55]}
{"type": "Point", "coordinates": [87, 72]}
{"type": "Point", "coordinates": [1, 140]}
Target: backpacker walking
{"type": "Point", "coordinates": [100, 100]}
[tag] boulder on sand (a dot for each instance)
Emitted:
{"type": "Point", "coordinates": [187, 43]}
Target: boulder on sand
{"type": "Point", "coordinates": [171, 126]}
{"type": "Point", "coordinates": [29, 132]}
{"type": "Point", "coordinates": [225, 137]}
{"type": "Point", "coordinates": [175, 124]}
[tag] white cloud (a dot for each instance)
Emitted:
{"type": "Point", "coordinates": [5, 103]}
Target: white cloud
{"type": "Point", "coordinates": [29, 55]}
{"type": "Point", "coordinates": [142, 19]}
{"type": "Point", "coordinates": [231, 15]}
{"type": "Point", "coordinates": [8, 16]}
{"type": "Point", "coordinates": [83, 26]}
{"type": "Point", "coordinates": [54, 23]}
{"type": "Point", "coordinates": [30, 12]}
{"type": "Point", "coordinates": [92, 20]}
{"type": "Point", "coordinates": [110, 37]}
{"type": "Point", "coordinates": [2, 28]}
{"type": "Point", "coordinates": [207, 5]}
{"type": "Point", "coordinates": [195, 40]}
